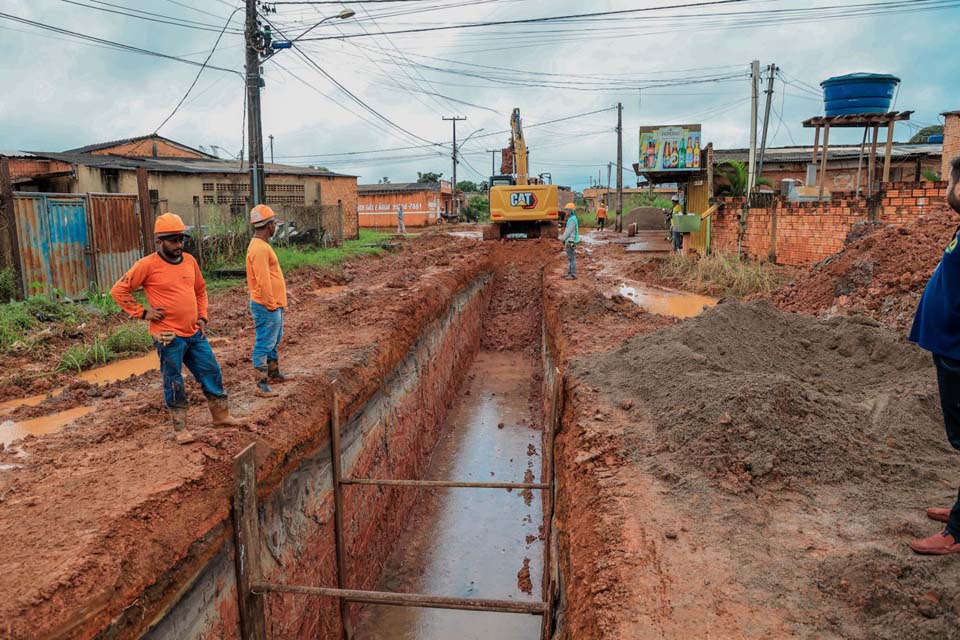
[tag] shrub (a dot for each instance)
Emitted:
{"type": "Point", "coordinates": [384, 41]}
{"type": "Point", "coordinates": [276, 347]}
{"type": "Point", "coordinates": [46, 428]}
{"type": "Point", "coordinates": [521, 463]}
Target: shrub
{"type": "Point", "coordinates": [83, 356]}
{"type": "Point", "coordinates": [721, 273]}
{"type": "Point", "coordinates": [133, 338]}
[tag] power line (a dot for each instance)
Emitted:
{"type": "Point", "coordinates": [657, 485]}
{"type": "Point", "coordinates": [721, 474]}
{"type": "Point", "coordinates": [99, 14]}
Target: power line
{"type": "Point", "coordinates": [161, 19]}
{"type": "Point", "coordinates": [116, 45]}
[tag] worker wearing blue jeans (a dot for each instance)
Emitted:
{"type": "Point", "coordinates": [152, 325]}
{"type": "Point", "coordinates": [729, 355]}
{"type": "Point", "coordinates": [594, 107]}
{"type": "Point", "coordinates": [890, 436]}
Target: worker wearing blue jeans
{"type": "Point", "coordinates": [570, 239]}
{"type": "Point", "coordinates": [269, 328]}
{"type": "Point", "coordinates": [196, 354]}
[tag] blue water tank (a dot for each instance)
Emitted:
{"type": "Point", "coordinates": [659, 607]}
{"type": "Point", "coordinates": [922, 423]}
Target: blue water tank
{"type": "Point", "coordinates": [858, 93]}
{"type": "Point", "coordinates": [935, 139]}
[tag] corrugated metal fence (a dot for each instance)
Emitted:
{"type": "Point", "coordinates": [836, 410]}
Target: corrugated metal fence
{"type": "Point", "coordinates": [75, 243]}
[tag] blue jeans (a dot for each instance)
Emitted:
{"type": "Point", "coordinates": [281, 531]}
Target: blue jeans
{"type": "Point", "coordinates": [269, 325]}
{"type": "Point", "coordinates": [948, 379]}
{"type": "Point", "coordinates": [570, 248]}
{"type": "Point", "coordinates": [195, 352]}
{"type": "Point", "coordinates": [677, 238]}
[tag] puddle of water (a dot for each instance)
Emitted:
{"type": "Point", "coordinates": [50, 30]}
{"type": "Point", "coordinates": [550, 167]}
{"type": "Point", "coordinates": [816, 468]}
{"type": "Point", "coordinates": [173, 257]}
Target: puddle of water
{"type": "Point", "coordinates": [472, 542]}
{"type": "Point", "coordinates": [31, 401]}
{"type": "Point", "coordinates": [122, 369]}
{"type": "Point", "coordinates": [10, 430]}
{"type": "Point", "coordinates": [666, 302]}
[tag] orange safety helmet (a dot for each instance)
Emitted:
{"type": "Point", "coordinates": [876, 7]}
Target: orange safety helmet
{"type": "Point", "coordinates": [260, 215]}
{"type": "Point", "coordinates": [570, 206]}
{"type": "Point", "coordinates": [169, 224]}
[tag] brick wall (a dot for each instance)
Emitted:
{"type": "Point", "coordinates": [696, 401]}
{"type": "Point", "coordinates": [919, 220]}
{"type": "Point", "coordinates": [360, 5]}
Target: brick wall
{"type": "Point", "coordinates": [807, 232]}
{"type": "Point", "coordinates": [951, 140]}
{"type": "Point", "coordinates": [343, 189]}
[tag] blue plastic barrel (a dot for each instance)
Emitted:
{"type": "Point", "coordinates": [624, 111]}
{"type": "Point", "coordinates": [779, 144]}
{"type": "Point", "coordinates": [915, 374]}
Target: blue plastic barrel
{"type": "Point", "coordinates": [858, 93]}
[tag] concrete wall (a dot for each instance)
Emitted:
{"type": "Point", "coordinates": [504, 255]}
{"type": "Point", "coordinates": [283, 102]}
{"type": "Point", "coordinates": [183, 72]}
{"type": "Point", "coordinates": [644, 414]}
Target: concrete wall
{"type": "Point", "coordinates": [802, 233]}
{"type": "Point", "coordinates": [420, 208]}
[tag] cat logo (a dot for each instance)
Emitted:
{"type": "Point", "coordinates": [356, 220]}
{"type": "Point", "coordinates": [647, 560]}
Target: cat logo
{"type": "Point", "coordinates": [523, 199]}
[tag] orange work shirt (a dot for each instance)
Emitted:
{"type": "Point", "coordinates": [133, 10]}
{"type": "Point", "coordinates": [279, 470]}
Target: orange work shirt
{"type": "Point", "coordinates": [602, 213]}
{"type": "Point", "coordinates": [264, 277]}
{"type": "Point", "coordinates": [178, 288]}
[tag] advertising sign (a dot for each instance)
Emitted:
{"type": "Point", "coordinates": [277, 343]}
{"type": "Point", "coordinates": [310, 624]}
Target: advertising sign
{"type": "Point", "coordinates": [670, 148]}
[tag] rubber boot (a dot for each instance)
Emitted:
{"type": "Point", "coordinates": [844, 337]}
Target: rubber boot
{"type": "Point", "coordinates": [220, 412]}
{"type": "Point", "coordinates": [263, 385]}
{"type": "Point", "coordinates": [273, 372]}
{"type": "Point", "coordinates": [179, 417]}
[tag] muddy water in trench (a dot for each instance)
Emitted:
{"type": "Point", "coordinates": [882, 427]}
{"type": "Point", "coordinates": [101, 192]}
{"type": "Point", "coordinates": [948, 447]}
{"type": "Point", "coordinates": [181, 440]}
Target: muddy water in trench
{"type": "Point", "coordinates": [473, 543]}
{"type": "Point", "coordinates": [665, 302]}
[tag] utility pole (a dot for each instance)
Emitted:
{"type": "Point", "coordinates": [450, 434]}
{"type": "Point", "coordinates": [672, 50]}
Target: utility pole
{"type": "Point", "coordinates": [254, 130]}
{"type": "Point", "coordinates": [754, 82]}
{"type": "Point", "coordinates": [606, 198]}
{"type": "Point", "coordinates": [619, 165]}
{"type": "Point", "coordinates": [271, 148]}
{"type": "Point", "coordinates": [493, 161]}
{"type": "Point", "coordinates": [456, 200]}
{"type": "Point", "coordinates": [766, 119]}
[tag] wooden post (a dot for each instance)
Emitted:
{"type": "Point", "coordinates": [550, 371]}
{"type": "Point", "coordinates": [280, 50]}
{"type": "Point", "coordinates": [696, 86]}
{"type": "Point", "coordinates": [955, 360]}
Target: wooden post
{"type": "Point", "coordinates": [863, 143]}
{"type": "Point", "coordinates": [773, 231]}
{"type": "Point", "coordinates": [146, 213]}
{"type": "Point", "coordinates": [10, 220]}
{"type": "Point", "coordinates": [346, 626]}
{"type": "Point", "coordinates": [887, 152]}
{"type": "Point", "coordinates": [199, 234]}
{"type": "Point", "coordinates": [823, 160]}
{"type": "Point", "coordinates": [816, 144]}
{"type": "Point", "coordinates": [872, 164]}
{"type": "Point", "coordinates": [549, 500]}
{"type": "Point", "coordinates": [246, 531]}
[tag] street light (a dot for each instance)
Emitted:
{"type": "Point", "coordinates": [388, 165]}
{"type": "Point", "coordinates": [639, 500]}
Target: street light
{"type": "Point", "coordinates": [343, 15]}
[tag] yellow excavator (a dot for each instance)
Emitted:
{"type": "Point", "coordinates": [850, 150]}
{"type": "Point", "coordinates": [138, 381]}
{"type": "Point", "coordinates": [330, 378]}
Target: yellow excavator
{"type": "Point", "coordinates": [520, 206]}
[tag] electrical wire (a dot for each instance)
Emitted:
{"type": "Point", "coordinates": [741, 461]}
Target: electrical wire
{"type": "Point", "coordinates": [162, 19]}
{"type": "Point", "coordinates": [119, 46]}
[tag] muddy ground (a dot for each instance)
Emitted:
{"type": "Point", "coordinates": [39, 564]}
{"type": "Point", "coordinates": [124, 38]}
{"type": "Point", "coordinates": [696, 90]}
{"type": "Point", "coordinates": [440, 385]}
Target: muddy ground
{"type": "Point", "coordinates": [749, 473]}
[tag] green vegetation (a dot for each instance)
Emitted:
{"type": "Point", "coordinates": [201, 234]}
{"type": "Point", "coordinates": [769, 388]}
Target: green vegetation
{"type": "Point", "coordinates": [292, 258]}
{"type": "Point", "coordinates": [429, 176]}
{"type": "Point", "coordinates": [84, 356]}
{"type": "Point", "coordinates": [468, 186]}
{"type": "Point", "coordinates": [736, 174]}
{"type": "Point", "coordinates": [129, 338]}
{"type": "Point", "coordinates": [722, 274]}
{"type": "Point", "coordinates": [931, 175]}
{"type": "Point", "coordinates": [478, 208]}
{"type": "Point", "coordinates": [8, 285]}
{"type": "Point", "coordinates": [921, 136]}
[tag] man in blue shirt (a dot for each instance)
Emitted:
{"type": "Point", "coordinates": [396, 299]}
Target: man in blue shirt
{"type": "Point", "coordinates": [936, 328]}
{"type": "Point", "coordinates": [570, 240]}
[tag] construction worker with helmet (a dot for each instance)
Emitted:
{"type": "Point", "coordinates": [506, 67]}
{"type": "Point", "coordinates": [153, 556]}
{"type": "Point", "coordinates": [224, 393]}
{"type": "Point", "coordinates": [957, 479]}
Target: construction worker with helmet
{"type": "Point", "coordinates": [268, 299]}
{"type": "Point", "coordinates": [602, 215]}
{"type": "Point", "coordinates": [177, 295]}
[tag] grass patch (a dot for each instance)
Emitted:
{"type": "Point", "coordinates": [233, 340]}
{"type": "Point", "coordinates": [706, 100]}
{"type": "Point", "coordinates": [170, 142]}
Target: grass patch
{"type": "Point", "coordinates": [292, 258]}
{"type": "Point", "coordinates": [131, 338]}
{"type": "Point", "coordinates": [722, 274]}
{"type": "Point", "coordinates": [83, 356]}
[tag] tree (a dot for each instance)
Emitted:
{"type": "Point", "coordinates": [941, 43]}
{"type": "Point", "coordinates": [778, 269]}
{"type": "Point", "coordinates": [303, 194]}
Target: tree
{"type": "Point", "coordinates": [429, 176]}
{"type": "Point", "coordinates": [736, 175]}
{"type": "Point", "coordinates": [921, 136]}
{"type": "Point", "coordinates": [384, 180]}
{"type": "Point", "coordinates": [478, 208]}
{"type": "Point", "coordinates": [467, 186]}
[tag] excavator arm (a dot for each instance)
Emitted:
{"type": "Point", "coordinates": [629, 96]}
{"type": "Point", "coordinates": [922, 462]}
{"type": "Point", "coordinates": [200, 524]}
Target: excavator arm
{"type": "Point", "coordinates": [519, 144]}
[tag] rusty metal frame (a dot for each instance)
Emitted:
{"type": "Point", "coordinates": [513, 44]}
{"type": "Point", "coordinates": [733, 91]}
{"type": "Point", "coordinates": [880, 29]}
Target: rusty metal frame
{"type": "Point", "coordinates": [251, 589]}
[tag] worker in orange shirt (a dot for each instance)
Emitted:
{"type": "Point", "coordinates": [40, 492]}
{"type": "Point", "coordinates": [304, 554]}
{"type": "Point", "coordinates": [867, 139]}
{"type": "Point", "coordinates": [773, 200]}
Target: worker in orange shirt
{"type": "Point", "coordinates": [177, 294]}
{"type": "Point", "coordinates": [268, 299]}
{"type": "Point", "coordinates": [601, 215]}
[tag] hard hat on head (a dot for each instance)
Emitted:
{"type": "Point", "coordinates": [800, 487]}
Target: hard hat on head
{"type": "Point", "coordinates": [570, 206]}
{"type": "Point", "coordinates": [169, 224]}
{"type": "Point", "coordinates": [675, 198]}
{"type": "Point", "coordinates": [261, 214]}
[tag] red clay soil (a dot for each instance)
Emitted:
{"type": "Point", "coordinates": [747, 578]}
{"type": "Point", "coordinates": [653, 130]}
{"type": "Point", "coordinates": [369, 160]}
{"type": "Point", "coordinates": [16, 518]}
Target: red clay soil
{"type": "Point", "coordinates": [881, 275]}
{"type": "Point", "coordinates": [107, 511]}
{"type": "Point", "coordinates": [747, 474]}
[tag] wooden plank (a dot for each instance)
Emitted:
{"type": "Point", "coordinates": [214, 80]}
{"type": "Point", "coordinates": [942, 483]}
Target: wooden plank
{"type": "Point", "coordinates": [823, 161]}
{"type": "Point", "coordinates": [146, 212]}
{"type": "Point", "coordinates": [246, 530]}
{"type": "Point", "coordinates": [438, 484]}
{"type": "Point", "coordinates": [345, 623]}
{"type": "Point", "coordinates": [10, 220]}
{"type": "Point", "coordinates": [409, 599]}
{"type": "Point", "coordinates": [886, 153]}
{"type": "Point", "coordinates": [872, 163]}
{"type": "Point", "coordinates": [816, 145]}
{"type": "Point", "coordinates": [549, 499]}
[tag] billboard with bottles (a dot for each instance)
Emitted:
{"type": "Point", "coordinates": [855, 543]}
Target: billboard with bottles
{"type": "Point", "coordinates": [670, 148]}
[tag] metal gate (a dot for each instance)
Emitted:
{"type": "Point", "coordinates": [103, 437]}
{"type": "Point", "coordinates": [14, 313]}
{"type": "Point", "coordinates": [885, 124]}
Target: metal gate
{"type": "Point", "coordinates": [116, 241]}
{"type": "Point", "coordinates": [53, 239]}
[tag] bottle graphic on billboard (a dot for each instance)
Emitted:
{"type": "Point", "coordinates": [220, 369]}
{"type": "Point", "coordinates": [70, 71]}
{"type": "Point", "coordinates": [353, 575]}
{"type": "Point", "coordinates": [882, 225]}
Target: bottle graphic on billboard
{"type": "Point", "coordinates": [682, 156]}
{"type": "Point", "coordinates": [689, 162]}
{"type": "Point", "coordinates": [696, 154]}
{"type": "Point", "coordinates": [666, 155]}
{"type": "Point", "coordinates": [674, 156]}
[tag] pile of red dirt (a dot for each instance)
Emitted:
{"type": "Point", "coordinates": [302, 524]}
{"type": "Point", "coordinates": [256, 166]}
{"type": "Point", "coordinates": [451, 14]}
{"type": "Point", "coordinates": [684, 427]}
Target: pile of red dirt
{"type": "Point", "coordinates": [881, 275]}
{"type": "Point", "coordinates": [751, 396]}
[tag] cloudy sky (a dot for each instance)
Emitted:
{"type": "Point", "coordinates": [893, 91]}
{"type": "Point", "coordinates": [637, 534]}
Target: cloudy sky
{"type": "Point", "coordinates": [377, 111]}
